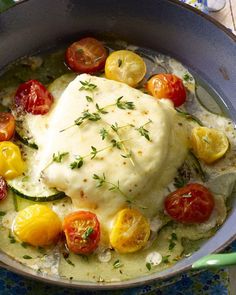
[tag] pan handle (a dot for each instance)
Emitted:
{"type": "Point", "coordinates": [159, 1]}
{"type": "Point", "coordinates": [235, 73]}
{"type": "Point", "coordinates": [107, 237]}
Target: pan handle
{"type": "Point", "coordinates": [215, 260]}
{"type": "Point", "coordinates": [6, 4]}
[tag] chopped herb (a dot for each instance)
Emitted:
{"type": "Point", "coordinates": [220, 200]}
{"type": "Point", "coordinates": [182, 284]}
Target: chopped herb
{"type": "Point", "coordinates": [27, 257]}
{"type": "Point", "coordinates": [129, 155]}
{"type": "Point", "coordinates": [89, 98]}
{"type": "Point", "coordinates": [104, 133]}
{"type": "Point", "coordinates": [115, 127]}
{"type": "Point", "coordinates": [117, 264]}
{"type": "Point", "coordinates": [206, 139]}
{"type": "Point", "coordinates": [78, 163]}
{"type": "Point", "coordinates": [165, 259]}
{"type": "Point", "coordinates": [124, 104]}
{"type": "Point", "coordinates": [41, 250]}
{"type": "Point", "coordinates": [119, 62]}
{"type": "Point", "coordinates": [93, 152]}
{"type": "Point", "coordinates": [87, 233]}
{"type": "Point", "coordinates": [2, 213]}
{"type": "Point", "coordinates": [172, 243]}
{"type": "Point", "coordinates": [187, 77]}
{"type": "Point", "coordinates": [59, 156]}
{"type": "Point", "coordinates": [24, 245]}
{"type": "Point", "coordinates": [11, 238]}
{"type": "Point", "coordinates": [183, 177]}
{"type": "Point", "coordinates": [86, 85]}
{"type": "Point", "coordinates": [100, 180]}
{"type": "Point", "coordinates": [69, 262]}
{"type": "Point", "coordinates": [148, 266]}
{"type": "Point", "coordinates": [174, 237]}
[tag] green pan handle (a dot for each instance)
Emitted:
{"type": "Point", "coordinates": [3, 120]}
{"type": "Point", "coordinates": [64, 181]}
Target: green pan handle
{"type": "Point", "coordinates": [215, 260]}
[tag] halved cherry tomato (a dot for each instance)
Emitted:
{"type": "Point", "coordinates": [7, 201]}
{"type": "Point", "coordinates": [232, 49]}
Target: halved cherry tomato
{"type": "Point", "coordinates": [87, 55]}
{"type": "Point", "coordinates": [11, 163]}
{"type": "Point", "coordinates": [167, 86]}
{"type": "Point", "coordinates": [190, 204]}
{"type": "Point", "coordinates": [33, 97]}
{"type": "Point", "coordinates": [7, 126]}
{"type": "Point", "coordinates": [82, 231]}
{"type": "Point", "coordinates": [125, 66]}
{"type": "Point", "coordinates": [130, 231]}
{"type": "Point", "coordinates": [3, 189]}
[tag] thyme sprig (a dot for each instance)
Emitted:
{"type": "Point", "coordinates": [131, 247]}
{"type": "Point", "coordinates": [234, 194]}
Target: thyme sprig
{"type": "Point", "coordinates": [143, 131]}
{"type": "Point", "coordinates": [101, 180]}
{"type": "Point", "coordinates": [87, 86]}
{"type": "Point", "coordinates": [86, 115]}
{"type": "Point", "coordinates": [59, 156]}
{"type": "Point", "coordinates": [78, 163]}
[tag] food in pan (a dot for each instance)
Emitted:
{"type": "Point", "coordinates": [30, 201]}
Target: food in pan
{"type": "Point", "coordinates": [111, 166]}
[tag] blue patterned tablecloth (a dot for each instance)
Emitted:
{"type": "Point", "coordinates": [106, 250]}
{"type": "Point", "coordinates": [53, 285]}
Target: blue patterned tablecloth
{"type": "Point", "coordinates": [206, 282]}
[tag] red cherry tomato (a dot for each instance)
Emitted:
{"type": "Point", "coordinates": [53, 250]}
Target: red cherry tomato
{"type": "Point", "coordinates": [167, 86]}
{"type": "Point", "coordinates": [7, 126]}
{"type": "Point", "coordinates": [3, 189]}
{"type": "Point", "coordinates": [190, 204]}
{"type": "Point", "coordinates": [82, 231]}
{"type": "Point", "coordinates": [33, 97]}
{"type": "Point", "coordinates": [87, 55]}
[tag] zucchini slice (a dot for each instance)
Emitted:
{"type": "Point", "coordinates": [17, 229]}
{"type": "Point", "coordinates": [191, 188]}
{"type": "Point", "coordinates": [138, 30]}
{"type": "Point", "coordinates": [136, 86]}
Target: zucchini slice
{"type": "Point", "coordinates": [37, 192]}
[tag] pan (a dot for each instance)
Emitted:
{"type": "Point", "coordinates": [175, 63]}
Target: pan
{"type": "Point", "coordinates": [204, 46]}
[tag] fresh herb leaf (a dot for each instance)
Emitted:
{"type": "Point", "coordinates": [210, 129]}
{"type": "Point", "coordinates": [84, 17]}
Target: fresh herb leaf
{"type": "Point", "coordinates": [174, 237]}
{"type": "Point", "coordinates": [124, 104]}
{"type": "Point", "coordinates": [101, 110]}
{"type": "Point", "coordinates": [119, 62]}
{"type": "Point", "coordinates": [165, 259]}
{"type": "Point", "coordinates": [115, 127]}
{"type": "Point", "coordinates": [117, 264]}
{"type": "Point", "coordinates": [104, 133]}
{"type": "Point", "coordinates": [143, 131]}
{"type": "Point", "coordinates": [187, 77]}
{"type": "Point", "coordinates": [189, 116]}
{"type": "Point", "coordinates": [127, 156]}
{"type": "Point", "coordinates": [24, 245]}
{"type": "Point", "coordinates": [2, 213]}
{"type": "Point", "coordinates": [11, 238]}
{"type": "Point", "coordinates": [27, 257]}
{"type": "Point", "coordinates": [59, 156]}
{"type": "Point", "coordinates": [172, 245]}
{"type": "Point", "coordinates": [148, 266]}
{"type": "Point", "coordinates": [89, 98]}
{"type": "Point", "coordinates": [86, 85]}
{"type": "Point", "coordinates": [78, 163]}
{"type": "Point", "coordinates": [116, 144]}
{"type": "Point", "coordinates": [87, 233]}
{"type": "Point", "coordinates": [93, 152]}
{"type": "Point", "coordinates": [69, 262]}
{"type": "Point", "coordinates": [100, 179]}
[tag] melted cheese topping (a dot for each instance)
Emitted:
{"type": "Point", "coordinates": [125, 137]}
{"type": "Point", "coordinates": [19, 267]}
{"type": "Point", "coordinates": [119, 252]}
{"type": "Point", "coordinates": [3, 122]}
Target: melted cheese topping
{"type": "Point", "coordinates": [141, 178]}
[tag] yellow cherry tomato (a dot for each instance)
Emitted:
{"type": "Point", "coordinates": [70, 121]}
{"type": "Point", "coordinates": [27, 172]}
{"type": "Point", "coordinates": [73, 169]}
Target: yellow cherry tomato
{"type": "Point", "coordinates": [37, 225]}
{"type": "Point", "coordinates": [125, 66]}
{"type": "Point", "coordinates": [209, 144]}
{"type": "Point", "coordinates": [11, 163]}
{"type": "Point", "coordinates": [130, 232]}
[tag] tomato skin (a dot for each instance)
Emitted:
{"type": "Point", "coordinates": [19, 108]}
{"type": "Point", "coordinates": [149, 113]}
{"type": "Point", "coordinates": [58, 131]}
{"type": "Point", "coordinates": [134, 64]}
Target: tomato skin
{"type": "Point", "coordinates": [33, 97]}
{"type": "Point", "coordinates": [7, 126]}
{"type": "Point", "coordinates": [3, 189]}
{"type": "Point", "coordinates": [75, 226]}
{"type": "Point", "coordinates": [167, 86]}
{"type": "Point", "coordinates": [190, 204]}
{"type": "Point", "coordinates": [87, 55]}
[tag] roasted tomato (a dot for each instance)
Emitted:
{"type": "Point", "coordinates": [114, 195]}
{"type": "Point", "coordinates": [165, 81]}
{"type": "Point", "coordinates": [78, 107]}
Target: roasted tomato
{"type": "Point", "coordinates": [3, 189]}
{"type": "Point", "coordinates": [33, 97]}
{"type": "Point", "coordinates": [11, 163]}
{"type": "Point", "coordinates": [37, 225]}
{"type": "Point", "coordinates": [125, 66]}
{"type": "Point", "coordinates": [87, 55]}
{"type": "Point", "coordinates": [167, 86]}
{"type": "Point", "coordinates": [209, 144]}
{"type": "Point", "coordinates": [130, 231]}
{"type": "Point", "coordinates": [190, 204]}
{"type": "Point", "coordinates": [7, 126]}
{"type": "Point", "coordinates": [82, 231]}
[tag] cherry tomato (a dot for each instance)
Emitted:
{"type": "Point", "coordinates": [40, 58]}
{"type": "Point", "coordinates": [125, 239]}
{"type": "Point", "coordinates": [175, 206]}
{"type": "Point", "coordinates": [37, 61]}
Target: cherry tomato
{"type": "Point", "coordinates": [167, 86]}
{"type": "Point", "coordinates": [125, 66]}
{"type": "Point", "coordinates": [87, 55]}
{"type": "Point", "coordinates": [190, 204]}
{"type": "Point", "coordinates": [82, 231]}
{"type": "Point", "coordinates": [3, 189]}
{"type": "Point", "coordinates": [11, 163]}
{"type": "Point", "coordinates": [33, 97]}
{"type": "Point", "coordinates": [7, 126]}
{"type": "Point", "coordinates": [130, 231]}
{"type": "Point", "coordinates": [37, 225]}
